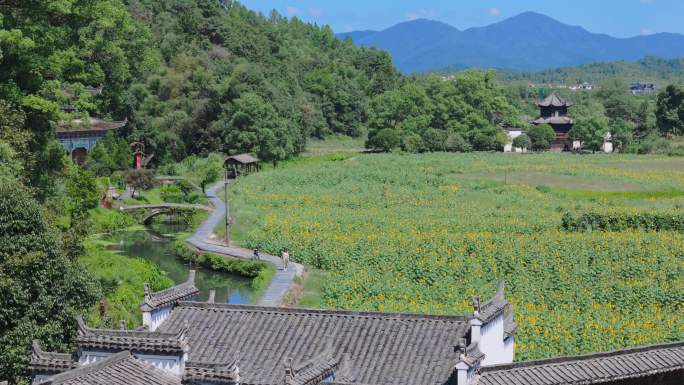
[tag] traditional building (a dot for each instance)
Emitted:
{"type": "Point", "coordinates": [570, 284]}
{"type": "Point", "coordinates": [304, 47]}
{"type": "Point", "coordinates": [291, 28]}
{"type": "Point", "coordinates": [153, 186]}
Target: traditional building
{"type": "Point", "coordinates": [185, 342]}
{"type": "Point", "coordinates": [639, 88]}
{"type": "Point", "coordinates": [242, 164]}
{"type": "Point", "coordinates": [511, 134]}
{"type": "Point", "coordinates": [554, 112]}
{"type": "Point", "coordinates": [207, 343]}
{"type": "Point", "coordinates": [79, 136]}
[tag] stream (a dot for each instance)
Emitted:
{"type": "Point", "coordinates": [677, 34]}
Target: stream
{"type": "Point", "coordinates": [155, 244]}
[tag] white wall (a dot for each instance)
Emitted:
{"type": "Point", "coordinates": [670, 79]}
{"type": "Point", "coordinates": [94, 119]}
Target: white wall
{"type": "Point", "coordinates": [155, 318]}
{"type": "Point", "coordinates": [509, 349]}
{"type": "Point", "coordinates": [492, 342]}
{"type": "Point", "coordinates": [172, 364]}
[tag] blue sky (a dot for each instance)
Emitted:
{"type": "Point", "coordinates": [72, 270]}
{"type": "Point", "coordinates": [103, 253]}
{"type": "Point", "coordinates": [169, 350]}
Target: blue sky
{"type": "Point", "coordinates": [615, 17]}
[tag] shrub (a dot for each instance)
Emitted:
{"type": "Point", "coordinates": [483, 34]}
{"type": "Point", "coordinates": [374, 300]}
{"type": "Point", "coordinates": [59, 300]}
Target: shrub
{"type": "Point", "coordinates": [523, 141]}
{"type": "Point", "coordinates": [412, 143]}
{"type": "Point", "coordinates": [385, 140]}
{"type": "Point", "coordinates": [541, 137]}
{"type": "Point", "coordinates": [623, 221]}
{"type": "Point", "coordinates": [456, 143]}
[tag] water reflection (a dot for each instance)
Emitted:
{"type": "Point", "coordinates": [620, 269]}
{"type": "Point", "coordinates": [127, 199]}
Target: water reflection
{"type": "Point", "coordinates": [156, 245]}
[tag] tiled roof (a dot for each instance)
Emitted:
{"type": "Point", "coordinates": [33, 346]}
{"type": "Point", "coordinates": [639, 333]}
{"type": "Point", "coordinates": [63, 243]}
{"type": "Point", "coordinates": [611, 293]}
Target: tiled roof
{"type": "Point", "coordinates": [216, 374]}
{"type": "Point", "coordinates": [243, 158]}
{"type": "Point", "coordinates": [554, 100]}
{"type": "Point", "coordinates": [590, 369]}
{"type": "Point", "coordinates": [118, 369]}
{"type": "Point", "coordinates": [510, 326]}
{"type": "Point", "coordinates": [170, 296]}
{"type": "Point", "coordinates": [554, 120]}
{"type": "Point", "coordinates": [495, 306]}
{"type": "Point", "coordinates": [133, 340]}
{"type": "Point", "coordinates": [313, 371]}
{"type": "Point", "coordinates": [89, 125]}
{"type": "Point", "coordinates": [385, 348]}
{"type": "Point", "coordinates": [43, 362]}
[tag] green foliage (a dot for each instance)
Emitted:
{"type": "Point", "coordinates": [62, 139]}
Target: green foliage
{"type": "Point", "coordinates": [616, 221]}
{"type": "Point", "coordinates": [541, 136]}
{"type": "Point", "coordinates": [122, 279]}
{"type": "Point", "coordinates": [590, 131]}
{"type": "Point", "coordinates": [106, 221]}
{"type": "Point", "coordinates": [140, 179]}
{"type": "Point", "coordinates": [522, 141]}
{"type": "Point", "coordinates": [671, 111]}
{"type": "Point", "coordinates": [260, 272]}
{"type": "Point", "coordinates": [110, 154]}
{"type": "Point", "coordinates": [470, 106]}
{"type": "Point", "coordinates": [41, 290]}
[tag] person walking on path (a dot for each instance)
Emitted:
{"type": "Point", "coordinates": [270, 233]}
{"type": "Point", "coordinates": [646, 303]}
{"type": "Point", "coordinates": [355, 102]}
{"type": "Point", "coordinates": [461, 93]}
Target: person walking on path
{"type": "Point", "coordinates": [257, 256]}
{"type": "Point", "coordinates": [286, 258]}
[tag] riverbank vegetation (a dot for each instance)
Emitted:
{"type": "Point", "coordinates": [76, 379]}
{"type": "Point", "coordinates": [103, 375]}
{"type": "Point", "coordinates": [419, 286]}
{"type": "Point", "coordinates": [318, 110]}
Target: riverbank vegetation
{"type": "Point", "coordinates": [261, 273]}
{"type": "Point", "coordinates": [425, 233]}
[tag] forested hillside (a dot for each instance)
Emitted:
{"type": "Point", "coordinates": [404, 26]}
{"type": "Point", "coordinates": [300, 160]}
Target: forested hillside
{"type": "Point", "coordinates": [650, 69]}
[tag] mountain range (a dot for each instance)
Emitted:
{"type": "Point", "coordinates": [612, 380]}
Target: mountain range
{"type": "Point", "coordinates": [529, 41]}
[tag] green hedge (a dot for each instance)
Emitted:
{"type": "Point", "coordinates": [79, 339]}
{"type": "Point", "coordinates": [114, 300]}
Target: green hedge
{"type": "Point", "coordinates": [623, 221]}
{"type": "Point", "coordinates": [261, 272]}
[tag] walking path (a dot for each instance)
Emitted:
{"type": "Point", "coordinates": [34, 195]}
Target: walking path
{"type": "Point", "coordinates": [276, 290]}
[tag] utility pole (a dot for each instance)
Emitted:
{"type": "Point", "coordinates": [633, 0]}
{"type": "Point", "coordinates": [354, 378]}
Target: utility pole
{"type": "Point", "coordinates": [225, 200]}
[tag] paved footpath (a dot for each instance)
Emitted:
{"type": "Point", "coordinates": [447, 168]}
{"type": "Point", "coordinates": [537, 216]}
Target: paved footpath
{"type": "Point", "coordinates": [276, 290]}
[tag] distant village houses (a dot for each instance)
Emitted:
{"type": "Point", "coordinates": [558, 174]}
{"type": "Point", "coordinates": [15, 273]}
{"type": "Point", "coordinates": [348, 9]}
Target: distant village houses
{"type": "Point", "coordinates": [639, 88]}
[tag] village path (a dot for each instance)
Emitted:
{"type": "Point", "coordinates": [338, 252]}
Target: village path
{"type": "Point", "coordinates": [282, 280]}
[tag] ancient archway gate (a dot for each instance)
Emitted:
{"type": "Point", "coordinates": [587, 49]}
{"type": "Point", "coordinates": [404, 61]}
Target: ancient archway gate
{"type": "Point", "coordinates": [153, 210]}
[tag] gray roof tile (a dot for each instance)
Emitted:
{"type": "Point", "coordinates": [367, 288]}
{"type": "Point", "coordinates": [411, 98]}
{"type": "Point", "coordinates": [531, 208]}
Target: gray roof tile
{"type": "Point", "coordinates": [170, 296]}
{"type": "Point", "coordinates": [589, 369]}
{"type": "Point", "coordinates": [133, 340]}
{"type": "Point", "coordinates": [385, 348]}
{"type": "Point", "coordinates": [118, 369]}
{"type": "Point", "coordinates": [48, 363]}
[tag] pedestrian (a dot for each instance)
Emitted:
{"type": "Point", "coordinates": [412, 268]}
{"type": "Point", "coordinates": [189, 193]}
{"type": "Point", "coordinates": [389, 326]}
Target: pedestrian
{"type": "Point", "coordinates": [256, 254]}
{"type": "Point", "coordinates": [286, 258]}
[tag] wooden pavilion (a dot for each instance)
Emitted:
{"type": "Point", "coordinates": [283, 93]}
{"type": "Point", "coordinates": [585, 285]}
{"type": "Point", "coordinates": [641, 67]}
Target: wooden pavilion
{"type": "Point", "coordinates": [242, 164]}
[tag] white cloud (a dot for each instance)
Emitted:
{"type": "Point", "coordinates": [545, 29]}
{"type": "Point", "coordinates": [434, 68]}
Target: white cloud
{"type": "Point", "coordinates": [646, 31]}
{"type": "Point", "coordinates": [347, 28]}
{"type": "Point", "coordinates": [420, 14]}
{"type": "Point", "coordinates": [495, 12]}
{"type": "Point", "coordinates": [292, 11]}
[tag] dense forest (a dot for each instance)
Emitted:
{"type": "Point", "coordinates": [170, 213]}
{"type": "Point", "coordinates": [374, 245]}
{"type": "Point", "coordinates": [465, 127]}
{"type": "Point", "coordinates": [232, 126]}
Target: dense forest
{"type": "Point", "coordinates": [195, 77]}
{"type": "Point", "coordinates": [662, 72]}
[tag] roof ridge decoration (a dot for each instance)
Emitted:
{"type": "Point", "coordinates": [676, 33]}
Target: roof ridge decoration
{"type": "Point", "coordinates": [214, 373]}
{"type": "Point", "coordinates": [315, 370]}
{"type": "Point", "coordinates": [87, 369]}
{"type": "Point", "coordinates": [170, 296]}
{"type": "Point", "coordinates": [43, 362]}
{"type": "Point", "coordinates": [470, 354]}
{"type": "Point", "coordinates": [133, 340]}
{"type": "Point", "coordinates": [324, 312]}
{"type": "Point", "coordinates": [494, 307]}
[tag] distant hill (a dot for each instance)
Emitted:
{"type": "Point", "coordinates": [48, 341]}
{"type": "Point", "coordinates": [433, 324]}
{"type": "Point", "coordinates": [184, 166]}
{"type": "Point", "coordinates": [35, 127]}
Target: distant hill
{"type": "Point", "coordinates": [649, 69]}
{"type": "Point", "coordinates": [528, 42]}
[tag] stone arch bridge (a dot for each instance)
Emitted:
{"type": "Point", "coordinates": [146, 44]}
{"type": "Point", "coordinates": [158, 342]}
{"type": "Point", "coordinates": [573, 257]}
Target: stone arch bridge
{"type": "Point", "coordinates": [153, 210]}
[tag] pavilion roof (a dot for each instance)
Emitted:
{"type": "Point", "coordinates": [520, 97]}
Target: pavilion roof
{"type": "Point", "coordinates": [88, 125]}
{"type": "Point", "coordinates": [554, 100]}
{"type": "Point", "coordinates": [588, 369]}
{"type": "Point", "coordinates": [243, 159]}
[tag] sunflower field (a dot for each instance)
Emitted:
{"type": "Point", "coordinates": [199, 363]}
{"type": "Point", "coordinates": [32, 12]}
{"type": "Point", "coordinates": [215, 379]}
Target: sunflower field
{"type": "Point", "coordinates": [425, 233]}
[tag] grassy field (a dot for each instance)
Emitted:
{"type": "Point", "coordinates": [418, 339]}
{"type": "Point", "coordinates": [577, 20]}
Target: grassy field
{"type": "Point", "coordinates": [424, 233]}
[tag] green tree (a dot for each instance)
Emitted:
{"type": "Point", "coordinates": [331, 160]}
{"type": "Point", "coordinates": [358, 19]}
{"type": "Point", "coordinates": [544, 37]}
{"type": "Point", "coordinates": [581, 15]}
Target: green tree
{"type": "Point", "coordinates": [385, 140]}
{"type": "Point", "coordinates": [522, 141]}
{"type": "Point", "coordinates": [41, 290]}
{"type": "Point", "coordinates": [541, 136]}
{"type": "Point", "coordinates": [590, 131]}
{"type": "Point", "coordinates": [140, 179]}
{"type": "Point", "coordinates": [670, 111]}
